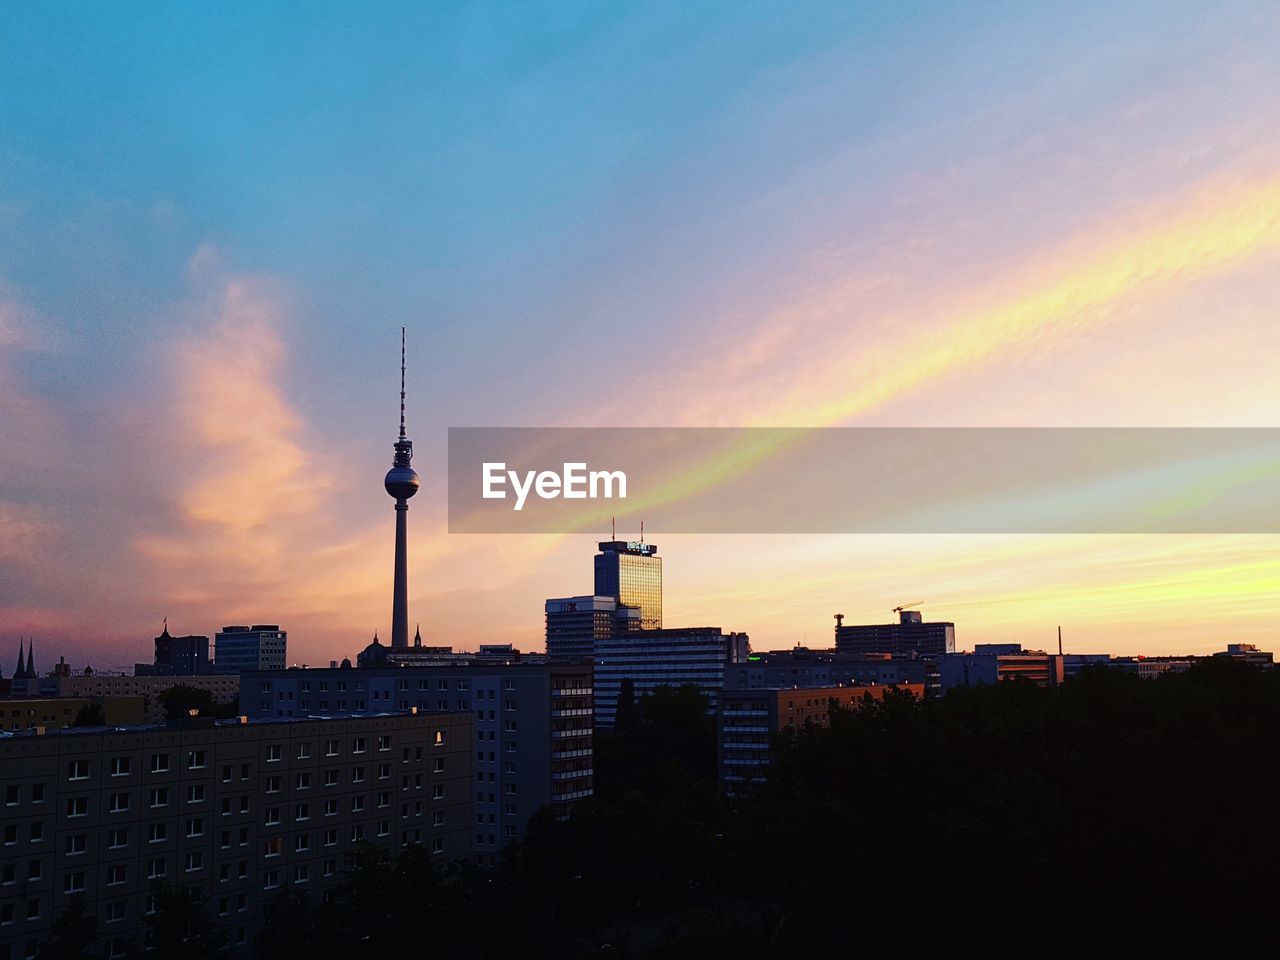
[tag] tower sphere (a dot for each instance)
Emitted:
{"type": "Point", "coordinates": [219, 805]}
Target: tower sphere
{"type": "Point", "coordinates": [402, 482]}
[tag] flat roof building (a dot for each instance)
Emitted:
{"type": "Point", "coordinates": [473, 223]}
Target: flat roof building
{"type": "Point", "coordinates": [910, 636]}
{"type": "Point", "coordinates": [630, 572]}
{"type": "Point", "coordinates": [262, 646]}
{"type": "Point", "coordinates": [673, 657]}
{"type": "Point", "coordinates": [533, 727]}
{"type": "Point", "coordinates": [237, 810]}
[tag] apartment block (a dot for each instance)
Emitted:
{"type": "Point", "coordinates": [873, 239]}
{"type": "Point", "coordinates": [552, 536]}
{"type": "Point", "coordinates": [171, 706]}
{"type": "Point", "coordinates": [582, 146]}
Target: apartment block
{"type": "Point", "coordinates": [225, 689]}
{"type": "Point", "coordinates": [238, 809]}
{"type": "Point", "coordinates": [533, 727]}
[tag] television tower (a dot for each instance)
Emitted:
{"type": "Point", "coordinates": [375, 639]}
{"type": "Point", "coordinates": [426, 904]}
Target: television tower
{"type": "Point", "coordinates": [401, 483]}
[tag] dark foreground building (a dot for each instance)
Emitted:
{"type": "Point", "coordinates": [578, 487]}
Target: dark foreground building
{"type": "Point", "coordinates": [237, 809]}
{"type": "Point", "coordinates": [533, 727]}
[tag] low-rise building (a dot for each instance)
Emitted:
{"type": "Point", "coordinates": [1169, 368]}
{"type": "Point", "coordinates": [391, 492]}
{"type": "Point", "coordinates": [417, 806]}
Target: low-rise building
{"type": "Point", "coordinates": [58, 712]}
{"type": "Point", "coordinates": [225, 689]}
{"type": "Point", "coordinates": [998, 663]}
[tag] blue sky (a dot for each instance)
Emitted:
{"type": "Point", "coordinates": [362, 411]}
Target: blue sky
{"type": "Point", "coordinates": [213, 219]}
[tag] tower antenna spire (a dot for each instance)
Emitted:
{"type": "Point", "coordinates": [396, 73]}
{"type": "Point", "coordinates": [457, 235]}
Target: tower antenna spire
{"type": "Point", "coordinates": [401, 483]}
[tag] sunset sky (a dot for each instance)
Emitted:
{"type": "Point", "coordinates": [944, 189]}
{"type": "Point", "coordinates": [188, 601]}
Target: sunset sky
{"type": "Point", "coordinates": [214, 222]}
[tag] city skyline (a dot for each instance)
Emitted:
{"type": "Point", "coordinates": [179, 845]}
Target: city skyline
{"type": "Point", "coordinates": [890, 216]}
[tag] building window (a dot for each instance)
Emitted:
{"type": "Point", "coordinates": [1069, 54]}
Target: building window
{"type": "Point", "coordinates": [117, 874]}
{"type": "Point", "coordinates": [195, 861]}
{"type": "Point", "coordinates": [159, 796]}
{"type": "Point", "coordinates": [117, 839]}
{"type": "Point", "coordinates": [119, 802]}
{"type": "Point", "coordinates": [73, 882]}
{"type": "Point", "coordinates": [195, 760]}
{"type": "Point", "coordinates": [159, 763]}
{"type": "Point", "coordinates": [158, 833]}
{"type": "Point", "coordinates": [195, 793]}
{"type": "Point", "coordinates": [78, 770]}
{"type": "Point", "coordinates": [195, 827]}
{"type": "Point", "coordinates": [120, 766]}
{"type": "Point", "coordinates": [78, 807]}
{"type": "Point", "coordinates": [274, 753]}
{"type": "Point", "coordinates": [304, 751]}
{"type": "Point", "coordinates": [358, 745]}
{"type": "Point", "coordinates": [155, 869]}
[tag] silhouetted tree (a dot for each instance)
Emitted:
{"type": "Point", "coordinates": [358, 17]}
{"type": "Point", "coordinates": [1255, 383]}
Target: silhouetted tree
{"type": "Point", "coordinates": [180, 699]}
{"type": "Point", "coordinates": [90, 715]}
{"type": "Point", "coordinates": [627, 716]}
{"type": "Point", "coordinates": [74, 934]}
{"type": "Point", "coordinates": [180, 926]}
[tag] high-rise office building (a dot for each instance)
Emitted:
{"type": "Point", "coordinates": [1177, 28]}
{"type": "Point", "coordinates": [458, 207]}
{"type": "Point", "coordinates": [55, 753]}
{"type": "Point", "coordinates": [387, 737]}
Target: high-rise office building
{"type": "Point", "coordinates": [259, 647]}
{"type": "Point", "coordinates": [696, 656]}
{"type": "Point", "coordinates": [630, 571]}
{"type": "Point", "coordinates": [910, 636]}
{"type": "Point", "coordinates": [576, 624]}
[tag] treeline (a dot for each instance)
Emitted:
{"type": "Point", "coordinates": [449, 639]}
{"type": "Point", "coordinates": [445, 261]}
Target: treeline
{"type": "Point", "coordinates": [1112, 815]}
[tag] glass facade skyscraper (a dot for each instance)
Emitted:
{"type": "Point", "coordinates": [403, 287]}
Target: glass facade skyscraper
{"type": "Point", "coordinates": [631, 573]}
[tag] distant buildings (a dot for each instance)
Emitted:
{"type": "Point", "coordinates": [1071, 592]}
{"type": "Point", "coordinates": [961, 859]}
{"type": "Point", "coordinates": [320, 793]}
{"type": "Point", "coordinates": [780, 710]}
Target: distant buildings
{"type": "Point", "coordinates": [533, 727]}
{"type": "Point", "coordinates": [802, 667]}
{"type": "Point", "coordinates": [674, 657]}
{"type": "Point", "coordinates": [910, 636]}
{"type": "Point", "coordinates": [259, 647]}
{"type": "Point", "coordinates": [1000, 662]}
{"type": "Point", "coordinates": [576, 624]}
{"type": "Point", "coordinates": [630, 572]}
{"type": "Point", "coordinates": [1248, 653]}
{"type": "Point", "coordinates": [748, 720]}
{"type": "Point", "coordinates": [177, 657]}
{"type": "Point", "coordinates": [54, 713]}
{"type": "Point", "coordinates": [224, 687]}
{"type": "Point", "coordinates": [237, 810]}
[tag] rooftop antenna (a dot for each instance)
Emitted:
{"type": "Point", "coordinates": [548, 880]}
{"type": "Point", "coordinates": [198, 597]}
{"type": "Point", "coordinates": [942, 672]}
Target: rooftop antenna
{"type": "Point", "coordinates": [1059, 640]}
{"type": "Point", "coordinates": [402, 383]}
{"type": "Point", "coordinates": [613, 525]}
{"type": "Point", "coordinates": [642, 531]}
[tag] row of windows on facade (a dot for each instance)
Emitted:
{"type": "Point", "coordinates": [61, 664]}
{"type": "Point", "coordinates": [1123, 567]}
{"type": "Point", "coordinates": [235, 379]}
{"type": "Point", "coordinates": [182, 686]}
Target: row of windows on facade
{"type": "Point", "coordinates": [196, 759]}
{"type": "Point", "coordinates": [118, 838]}
{"type": "Point", "coordinates": [117, 911]}
{"type": "Point", "coordinates": [340, 686]}
{"type": "Point", "coordinates": [78, 807]}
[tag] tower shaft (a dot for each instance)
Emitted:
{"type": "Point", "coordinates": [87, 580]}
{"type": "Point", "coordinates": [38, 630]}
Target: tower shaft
{"type": "Point", "coordinates": [400, 599]}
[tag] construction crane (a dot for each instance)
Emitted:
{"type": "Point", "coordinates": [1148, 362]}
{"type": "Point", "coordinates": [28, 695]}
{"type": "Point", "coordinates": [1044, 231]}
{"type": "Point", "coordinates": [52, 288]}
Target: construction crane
{"type": "Point", "coordinates": [907, 606]}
